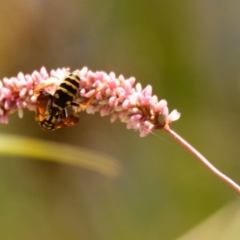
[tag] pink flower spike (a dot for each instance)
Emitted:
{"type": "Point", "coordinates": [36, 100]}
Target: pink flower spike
{"type": "Point", "coordinates": [103, 93]}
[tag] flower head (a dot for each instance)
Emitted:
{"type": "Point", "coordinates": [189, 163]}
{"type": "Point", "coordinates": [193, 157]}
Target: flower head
{"type": "Point", "coordinates": [109, 94]}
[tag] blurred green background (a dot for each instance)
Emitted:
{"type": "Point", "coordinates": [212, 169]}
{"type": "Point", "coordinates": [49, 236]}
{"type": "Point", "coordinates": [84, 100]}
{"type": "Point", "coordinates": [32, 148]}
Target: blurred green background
{"type": "Point", "coordinates": [189, 51]}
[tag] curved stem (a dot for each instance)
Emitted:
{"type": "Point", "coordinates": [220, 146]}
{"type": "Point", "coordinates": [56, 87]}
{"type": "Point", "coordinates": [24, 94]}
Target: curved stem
{"type": "Point", "coordinates": [203, 160]}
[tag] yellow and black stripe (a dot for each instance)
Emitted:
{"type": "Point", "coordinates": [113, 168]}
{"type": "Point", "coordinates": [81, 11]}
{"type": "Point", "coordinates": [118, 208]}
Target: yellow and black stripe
{"type": "Point", "coordinates": [48, 123]}
{"type": "Point", "coordinates": [65, 93]}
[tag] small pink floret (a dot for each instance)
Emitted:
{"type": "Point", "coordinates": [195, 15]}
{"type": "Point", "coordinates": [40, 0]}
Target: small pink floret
{"type": "Point", "coordinates": [160, 105]}
{"type": "Point", "coordinates": [126, 104]}
{"type": "Point", "coordinates": [135, 117]}
{"type": "Point", "coordinates": [23, 93]}
{"type": "Point", "coordinates": [112, 101]}
{"type": "Point", "coordinates": [173, 116]}
{"type": "Point", "coordinates": [147, 91]}
{"type": "Point", "coordinates": [113, 117]}
{"type": "Point", "coordinates": [138, 87]}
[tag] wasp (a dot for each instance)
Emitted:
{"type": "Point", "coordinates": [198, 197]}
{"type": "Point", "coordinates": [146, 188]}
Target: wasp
{"type": "Point", "coordinates": [52, 109]}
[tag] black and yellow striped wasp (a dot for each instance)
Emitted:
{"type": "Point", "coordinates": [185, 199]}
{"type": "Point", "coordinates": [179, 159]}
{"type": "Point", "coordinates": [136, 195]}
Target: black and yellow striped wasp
{"type": "Point", "coordinates": [51, 112]}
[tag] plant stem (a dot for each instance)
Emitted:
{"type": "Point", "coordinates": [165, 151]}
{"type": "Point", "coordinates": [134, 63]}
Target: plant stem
{"type": "Point", "coordinates": [203, 160]}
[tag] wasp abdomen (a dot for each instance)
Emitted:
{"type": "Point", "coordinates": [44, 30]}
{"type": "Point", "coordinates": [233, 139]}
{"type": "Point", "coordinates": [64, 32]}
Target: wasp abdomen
{"type": "Point", "coordinates": [48, 123]}
{"type": "Point", "coordinates": [65, 93]}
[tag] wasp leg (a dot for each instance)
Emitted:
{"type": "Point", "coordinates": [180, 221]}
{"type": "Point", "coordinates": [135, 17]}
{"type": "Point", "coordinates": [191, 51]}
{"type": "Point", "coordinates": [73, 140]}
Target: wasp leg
{"type": "Point", "coordinates": [85, 105]}
{"type": "Point", "coordinates": [37, 90]}
{"type": "Point", "coordinates": [63, 114]}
